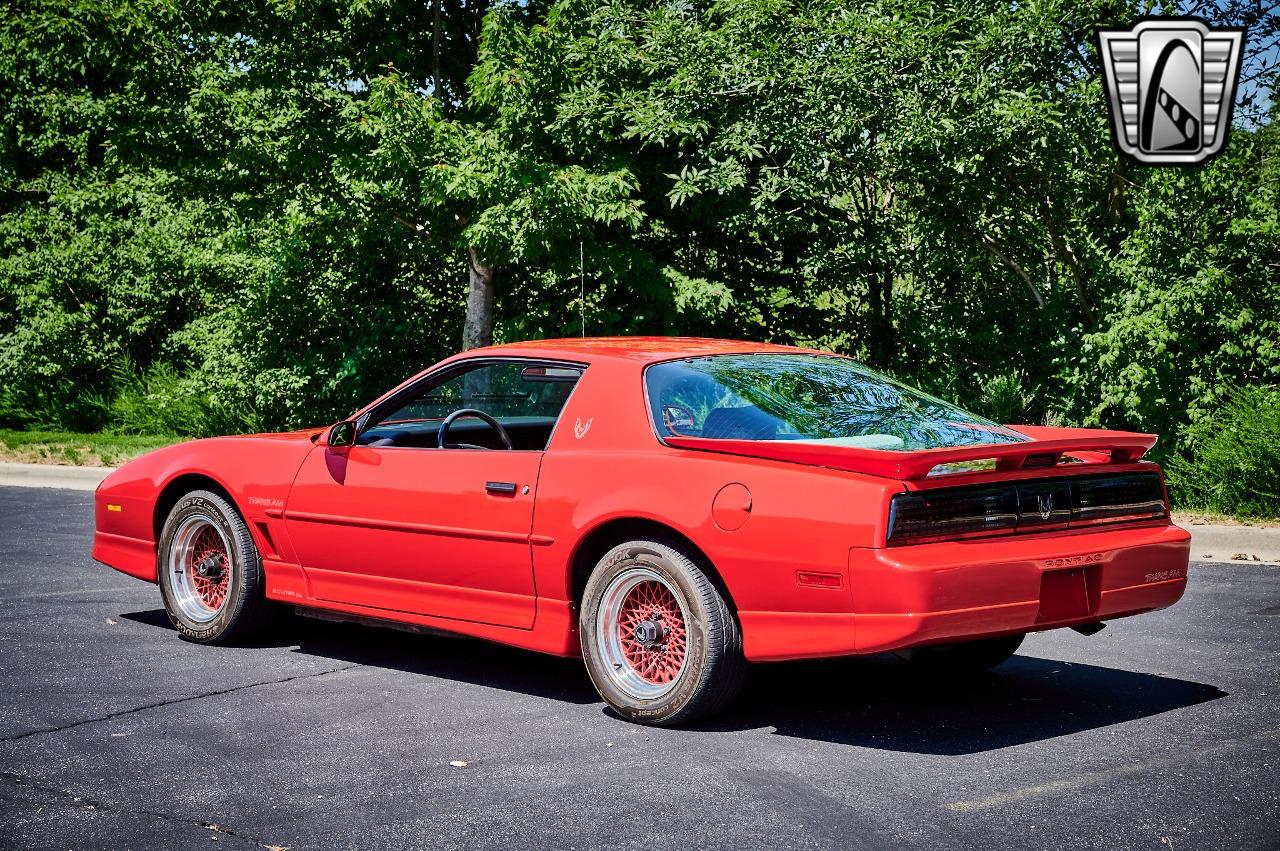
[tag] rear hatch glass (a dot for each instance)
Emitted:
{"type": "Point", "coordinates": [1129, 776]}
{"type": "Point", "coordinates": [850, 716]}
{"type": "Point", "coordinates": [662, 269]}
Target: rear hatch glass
{"type": "Point", "coordinates": [815, 399]}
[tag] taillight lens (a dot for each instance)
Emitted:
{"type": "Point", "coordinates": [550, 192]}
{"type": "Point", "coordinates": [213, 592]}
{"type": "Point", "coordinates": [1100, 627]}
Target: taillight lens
{"type": "Point", "coordinates": [934, 516]}
{"type": "Point", "coordinates": [1113, 499]}
{"type": "Point", "coordinates": [1034, 505]}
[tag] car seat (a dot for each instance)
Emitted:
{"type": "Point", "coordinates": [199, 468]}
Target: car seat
{"type": "Point", "coordinates": [745, 423]}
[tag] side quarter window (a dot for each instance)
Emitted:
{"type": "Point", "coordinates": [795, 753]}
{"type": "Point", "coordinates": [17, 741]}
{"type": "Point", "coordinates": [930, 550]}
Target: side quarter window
{"type": "Point", "coordinates": [525, 397]}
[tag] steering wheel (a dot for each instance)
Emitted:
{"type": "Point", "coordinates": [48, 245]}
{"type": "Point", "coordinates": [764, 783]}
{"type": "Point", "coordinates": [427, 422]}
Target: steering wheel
{"type": "Point", "coordinates": [480, 415]}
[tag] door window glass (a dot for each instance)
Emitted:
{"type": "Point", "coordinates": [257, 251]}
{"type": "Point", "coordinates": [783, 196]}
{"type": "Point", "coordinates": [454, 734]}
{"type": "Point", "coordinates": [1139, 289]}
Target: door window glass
{"type": "Point", "coordinates": [525, 398]}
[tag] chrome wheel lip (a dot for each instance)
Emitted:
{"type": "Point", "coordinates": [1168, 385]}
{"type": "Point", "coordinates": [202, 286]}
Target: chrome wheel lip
{"type": "Point", "coordinates": [181, 566]}
{"type": "Point", "coordinates": [609, 647]}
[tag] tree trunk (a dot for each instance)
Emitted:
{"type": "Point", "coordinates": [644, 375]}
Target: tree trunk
{"type": "Point", "coordinates": [880, 299]}
{"type": "Point", "coordinates": [991, 246]}
{"type": "Point", "coordinates": [886, 319]}
{"type": "Point", "coordinates": [435, 53]}
{"type": "Point", "coordinates": [478, 329]}
{"type": "Point", "coordinates": [1065, 253]}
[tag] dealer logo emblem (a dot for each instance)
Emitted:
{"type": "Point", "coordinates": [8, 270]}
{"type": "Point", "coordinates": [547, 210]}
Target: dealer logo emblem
{"type": "Point", "coordinates": [1170, 86]}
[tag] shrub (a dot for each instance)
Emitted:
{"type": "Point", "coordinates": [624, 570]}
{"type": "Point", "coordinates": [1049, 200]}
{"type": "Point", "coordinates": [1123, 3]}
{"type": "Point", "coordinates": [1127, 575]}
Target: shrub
{"type": "Point", "coordinates": [160, 402]}
{"type": "Point", "coordinates": [53, 405]}
{"type": "Point", "coordinates": [1005, 399]}
{"type": "Point", "coordinates": [1231, 463]}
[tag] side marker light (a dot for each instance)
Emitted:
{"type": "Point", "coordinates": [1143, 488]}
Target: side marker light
{"type": "Point", "coordinates": [819, 580]}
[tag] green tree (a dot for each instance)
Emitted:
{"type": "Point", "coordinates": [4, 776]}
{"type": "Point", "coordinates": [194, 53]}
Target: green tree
{"type": "Point", "coordinates": [495, 185]}
{"type": "Point", "coordinates": [266, 214]}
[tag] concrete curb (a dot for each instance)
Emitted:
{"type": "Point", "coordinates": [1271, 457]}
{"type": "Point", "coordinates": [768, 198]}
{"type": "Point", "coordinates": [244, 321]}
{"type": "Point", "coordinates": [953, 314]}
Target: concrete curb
{"type": "Point", "coordinates": [52, 476]}
{"type": "Point", "coordinates": [1209, 542]}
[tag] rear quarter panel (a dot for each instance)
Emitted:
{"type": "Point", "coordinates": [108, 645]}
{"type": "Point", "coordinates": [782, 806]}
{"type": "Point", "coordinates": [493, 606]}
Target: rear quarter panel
{"type": "Point", "coordinates": [604, 463]}
{"type": "Point", "coordinates": [801, 519]}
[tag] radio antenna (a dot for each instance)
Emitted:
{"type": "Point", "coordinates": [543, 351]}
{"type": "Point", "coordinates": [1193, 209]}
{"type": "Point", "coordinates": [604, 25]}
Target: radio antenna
{"type": "Point", "coordinates": [582, 289]}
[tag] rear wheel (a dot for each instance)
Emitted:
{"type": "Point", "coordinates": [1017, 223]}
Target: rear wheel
{"type": "Point", "coordinates": [965, 657]}
{"type": "Point", "coordinates": [660, 642]}
{"type": "Point", "coordinates": [210, 572]}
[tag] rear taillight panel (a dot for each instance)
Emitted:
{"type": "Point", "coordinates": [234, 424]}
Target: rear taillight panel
{"type": "Point", "coordinates": [1114, 499]}
{"type": "Point", "coordinates": [960, 513]}
{"type": "Point", "coordinates": [1023, 507]}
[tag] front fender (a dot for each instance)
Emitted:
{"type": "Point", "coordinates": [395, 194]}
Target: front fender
{"type": "Point", "coordinates": [255, 471]}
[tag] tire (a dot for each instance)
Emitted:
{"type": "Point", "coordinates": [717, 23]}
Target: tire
{"type": "Point", "coordinates": [224, 601]}
{"type": "Point", "coordinates": [661, 671]}
{"type": "Point", "coordinates": [965, 657]}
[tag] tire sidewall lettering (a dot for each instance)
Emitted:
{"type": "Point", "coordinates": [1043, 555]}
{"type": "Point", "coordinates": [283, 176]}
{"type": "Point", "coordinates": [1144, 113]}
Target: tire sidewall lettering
{"type": "Point", "coordinates": [207, 508]}
{"type": "Point", "coordinates": [691, 676]}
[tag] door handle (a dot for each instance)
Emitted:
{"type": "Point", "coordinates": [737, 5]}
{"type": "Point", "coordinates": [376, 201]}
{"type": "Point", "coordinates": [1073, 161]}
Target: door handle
{"type": "Point", "coordinates": [504, 488]}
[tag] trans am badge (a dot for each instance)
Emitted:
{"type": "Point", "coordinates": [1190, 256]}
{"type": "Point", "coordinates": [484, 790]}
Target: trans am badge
{"type": "Point", "coordinates": [1171, 86]}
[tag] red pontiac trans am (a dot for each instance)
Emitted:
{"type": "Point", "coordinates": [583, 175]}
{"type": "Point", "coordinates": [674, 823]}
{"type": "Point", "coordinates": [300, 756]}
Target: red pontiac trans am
{"type": "Point", "coordinates": [669, 509]}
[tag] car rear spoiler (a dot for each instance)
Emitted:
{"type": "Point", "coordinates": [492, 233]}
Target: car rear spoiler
{"type": "Point", "coordinates": [1045, 449]}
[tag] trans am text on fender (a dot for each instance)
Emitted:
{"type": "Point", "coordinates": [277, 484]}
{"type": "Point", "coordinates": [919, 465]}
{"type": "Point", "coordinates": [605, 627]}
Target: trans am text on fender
{"type": "Point", "coordinates": [669, 509]}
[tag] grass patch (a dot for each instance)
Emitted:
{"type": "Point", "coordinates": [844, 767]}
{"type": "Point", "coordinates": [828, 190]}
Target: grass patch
{"type": "Point", "coordinates": [75, 449]}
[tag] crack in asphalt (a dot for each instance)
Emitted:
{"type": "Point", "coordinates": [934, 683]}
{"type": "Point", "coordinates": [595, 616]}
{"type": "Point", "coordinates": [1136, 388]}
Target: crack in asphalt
{"type": "Point", "coordinates": [174, 701]}
{"type": "Point", "coordinates": [99, 805]}
{"type": "Point", "coordinates": [1072, 784]}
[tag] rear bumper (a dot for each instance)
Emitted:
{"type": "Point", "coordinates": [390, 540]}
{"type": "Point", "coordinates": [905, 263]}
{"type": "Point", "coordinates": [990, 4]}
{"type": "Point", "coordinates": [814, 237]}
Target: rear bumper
{"type": "Point", "coordinates": [933, 593]}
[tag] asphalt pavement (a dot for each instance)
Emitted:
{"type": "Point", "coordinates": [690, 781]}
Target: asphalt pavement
{"type": "Point", "coordinates": [1161, 732]}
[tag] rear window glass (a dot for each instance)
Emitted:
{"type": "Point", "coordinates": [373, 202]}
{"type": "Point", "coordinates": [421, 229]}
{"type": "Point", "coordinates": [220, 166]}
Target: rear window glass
{"type": "Point", "coordinates": [808, 398]}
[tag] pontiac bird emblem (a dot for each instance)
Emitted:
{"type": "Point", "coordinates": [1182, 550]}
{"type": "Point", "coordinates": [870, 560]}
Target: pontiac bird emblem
{"type": "Point", "coordinates": [1044, 502]}
{"type": "Point", "coordinates": [580, 430]}
{"type": "Point", "coordinates": [1170, 86]}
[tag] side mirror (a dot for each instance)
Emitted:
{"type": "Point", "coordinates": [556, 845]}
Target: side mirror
{"type": "Point", "coordinates": [342, 434]}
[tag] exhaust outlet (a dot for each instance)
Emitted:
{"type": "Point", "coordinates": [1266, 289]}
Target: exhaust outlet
{"type": "Point", "coordinates": [1090, 628]}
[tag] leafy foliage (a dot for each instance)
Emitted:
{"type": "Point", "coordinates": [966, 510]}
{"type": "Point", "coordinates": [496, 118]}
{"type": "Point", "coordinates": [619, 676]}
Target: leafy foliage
{"type": "Point", "coordinates": [160, 402]}
{"type": "Point", "coordinates": [1232, 461]}
{"type": "Point", "coordinates": [219, 215]}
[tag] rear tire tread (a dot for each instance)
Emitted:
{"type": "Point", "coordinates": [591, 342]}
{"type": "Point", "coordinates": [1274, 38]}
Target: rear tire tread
{"type": "Point", "coordinates": [723, 669]}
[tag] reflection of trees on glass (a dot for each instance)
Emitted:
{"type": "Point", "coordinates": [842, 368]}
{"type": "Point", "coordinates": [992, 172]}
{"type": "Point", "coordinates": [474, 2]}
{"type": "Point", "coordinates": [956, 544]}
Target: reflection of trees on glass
{"type": "Point", "coordinates": [809, 397]}
{"type": "Point", "coordinates": [478, 387]}
{"type": "Point", "coordinates": [500, 390]}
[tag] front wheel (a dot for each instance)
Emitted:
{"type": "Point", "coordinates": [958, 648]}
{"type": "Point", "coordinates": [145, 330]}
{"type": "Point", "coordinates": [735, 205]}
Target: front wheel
{"type": "Point", "coordinates": [210, 572]}
{"type": "Point", "coordinates": [660, 642]}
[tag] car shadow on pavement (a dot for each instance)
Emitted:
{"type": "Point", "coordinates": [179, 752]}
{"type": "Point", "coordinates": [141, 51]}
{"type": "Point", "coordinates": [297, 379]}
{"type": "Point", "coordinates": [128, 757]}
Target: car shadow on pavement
{"type": "Point", "coordinates": [447, 657]}
{"type": "Point", "coordinates": [878, 702]}
{"type": "Point", "coordinates": [872, 702]}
